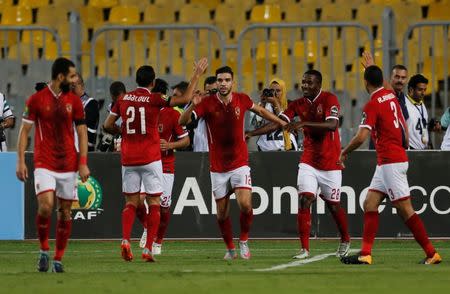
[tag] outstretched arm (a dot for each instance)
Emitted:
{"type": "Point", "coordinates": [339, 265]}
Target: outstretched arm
{"type": "Point", "coordinates": [329, 125]}
{"type": "Point", "coordinates": [360, 137]}
{"type": "Point", "coordinates": [274, 125]}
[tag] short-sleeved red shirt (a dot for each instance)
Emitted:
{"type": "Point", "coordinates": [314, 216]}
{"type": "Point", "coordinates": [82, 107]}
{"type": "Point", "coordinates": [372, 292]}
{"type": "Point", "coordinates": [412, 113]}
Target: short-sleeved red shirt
{"type": "Point", "coordinates": [170, 130]}
{"type": "Point", "coordinates": [54, 117]}
{"type": "Point", "coordinates": [139, 110]}
{"type": "Point", "coordinates": [383, 116]}
{"type": "Point", "coordinates": [225, 125]}
{"type": "Point", "coordinates": [321, 148]}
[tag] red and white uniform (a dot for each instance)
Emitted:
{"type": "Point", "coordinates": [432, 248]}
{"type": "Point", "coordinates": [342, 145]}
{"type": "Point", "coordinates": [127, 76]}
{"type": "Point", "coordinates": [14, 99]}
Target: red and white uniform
{"type": "Point", "coordinates": [226, 140]}
{"type": "Point", "coordinates": [170, 130]}
{"type": "Point", "coordinates": [383, 116]}
{"type": "Point", "coordinates": [141, 156]}
{"type": "Point", "coordinates": [55, 156]}
{"type": "Point", "coordinates": [318, 166]}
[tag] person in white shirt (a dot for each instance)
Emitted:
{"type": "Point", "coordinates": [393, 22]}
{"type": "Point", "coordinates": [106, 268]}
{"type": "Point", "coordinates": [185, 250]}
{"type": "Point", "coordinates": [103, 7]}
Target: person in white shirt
{"type": "Point", "coordinates": [200, 140]}
{"type": "Point", "coordinates": [445, 124]}
{"type": "Point", "coordinates": [418, 116]}
{"type": "Point", "coordinates": [274, 100]}
{"type": "Point", "coordinates": [7, 120]}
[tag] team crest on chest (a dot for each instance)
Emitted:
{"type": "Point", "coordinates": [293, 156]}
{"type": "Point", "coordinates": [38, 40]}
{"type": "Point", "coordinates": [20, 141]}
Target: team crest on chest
{"type": "Point", "coordinates": [319, 109]}
{"type": "Point", "coordinates": [160, 128]}
{"type": "Point", "coordinates": [237, 111]}
{"type": "Point", "coordinates": [69, 108]}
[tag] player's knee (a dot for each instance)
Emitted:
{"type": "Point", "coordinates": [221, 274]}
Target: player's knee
{"type": "Point", "coordinates": [247, 208]}
{"type": "Point", "coordinates": [333, 207]}
{"type": "Point", "coordinates": [45, 209]}
{"type": "Point", "coordinates": [370, 205]}
{"type": "Point", "coordinates": [306, 201]}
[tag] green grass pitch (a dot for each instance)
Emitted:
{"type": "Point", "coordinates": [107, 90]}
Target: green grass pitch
{"type": "Point", "coordinates": [197, 267]}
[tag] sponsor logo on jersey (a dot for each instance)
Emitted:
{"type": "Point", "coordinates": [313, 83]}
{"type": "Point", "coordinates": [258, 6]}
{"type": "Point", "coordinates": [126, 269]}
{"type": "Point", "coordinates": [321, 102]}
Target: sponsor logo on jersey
{"type": "Point", "coordinates": [363, 118]}
{"type": "Point", "coordinates": [334, 111]}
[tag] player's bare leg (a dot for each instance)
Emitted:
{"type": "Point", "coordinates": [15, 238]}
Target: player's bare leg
{"type": "Point", "coordinates": [340, 218]}
{"type": "Point", "coordinates": [224, 222]}
{"type": "Point", "coordinates": [45, 203]}
{"type": "Point", "coordinates": [244, 199]}
{"type": "Point", "coordinates": [153, 218]}
{"type": "Point", "coordinates": [414, 223]}
{"type": "Point", "coordinates": [128, 216]}
{"type": "Point", "coordinates": [63, 230]}
{"type": "Point", "coordinates": [304, 223]}
{"type": "Point", "coordinates": [371, 220]}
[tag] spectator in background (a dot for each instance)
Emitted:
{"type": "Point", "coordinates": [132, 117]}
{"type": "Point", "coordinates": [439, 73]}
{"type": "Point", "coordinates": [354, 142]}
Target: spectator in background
{"type": "Point", "coordinates": [274, 100]}
{"type": "Point", "coordinates": [91, 111]}
{"type": "Point", "coordinates": [7, 120]}
{"type": "Point", "coordinates": [108, 142]}
{"type": "Point", "coordinates": [177, 91]}
{"type": "Point", "coordinates": [399, 78]}
{"type": "Point", "coordinates": [200, 139]}
{"type": "Point", "coordinates": [417, 121]}
{"type": "Point", "coordinates": [445, 125]}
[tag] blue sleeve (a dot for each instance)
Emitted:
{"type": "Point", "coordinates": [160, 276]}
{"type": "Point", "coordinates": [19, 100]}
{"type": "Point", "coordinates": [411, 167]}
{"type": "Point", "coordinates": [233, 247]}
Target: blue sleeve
{"type": "Point", "coordinates": [445, 119]}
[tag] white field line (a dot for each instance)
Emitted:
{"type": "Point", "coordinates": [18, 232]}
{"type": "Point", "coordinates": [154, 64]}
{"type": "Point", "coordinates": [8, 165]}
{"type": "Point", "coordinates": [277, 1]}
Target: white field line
{"type": "Point", "coordinates": [300, 262]}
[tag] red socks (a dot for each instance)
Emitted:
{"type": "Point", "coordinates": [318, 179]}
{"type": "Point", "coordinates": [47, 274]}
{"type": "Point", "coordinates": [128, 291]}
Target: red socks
{"type": "Point", "coordinates": [369, 231]}
{"type": "Point", "coordinates": [246, 220]}
{"type": "Point", "coordinates": [43, 229]}
{"type": "Point", "coordinates": [304, 226]}
{"type": "Point", "coordinates": [141, 214]}
{"type": "Point", "coordinates": [63, 230]}
{"type": "Point", "coordinates": [163, 224]}
{"type": "Point", "coordinates": [227, 234]}
{"type": "Point", "coordinates": [128, 215]}
{"type": "Point", "coordinates": [153, 218]}
{"type": "Point", "coordinates": [416, 226]}
{"type": "Point", "coordinates": [340, 217]}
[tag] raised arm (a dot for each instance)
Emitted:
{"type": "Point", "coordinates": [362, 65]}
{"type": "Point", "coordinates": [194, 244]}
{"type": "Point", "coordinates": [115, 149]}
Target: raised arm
{"type": "Point", "coordinates": [185, 117]}
{"type": "Point", "coordinates": [367, 60]}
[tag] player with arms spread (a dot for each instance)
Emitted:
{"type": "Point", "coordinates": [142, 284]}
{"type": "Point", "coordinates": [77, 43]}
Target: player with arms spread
{"type": "Point", "coordinates": [140, 149]}
{"type": "Point", "coordinates": [224, 116]}
{"type": "Point", "coordinates": [383, 120]}
{"type": "Point", "coordinates": [54, 110]}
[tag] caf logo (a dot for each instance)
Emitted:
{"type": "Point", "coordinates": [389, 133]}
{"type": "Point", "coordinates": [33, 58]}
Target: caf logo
{"type": "Point", "coordinates": [90, 194]}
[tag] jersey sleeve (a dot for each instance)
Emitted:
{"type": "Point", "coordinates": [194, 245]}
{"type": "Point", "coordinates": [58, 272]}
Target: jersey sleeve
{"type": "Point", "coordinates": [247, 102]}
{"type": "Point", "coordinates": [6, 108]}
{"type": "Point", "coordinates": [78, 111]}
{"type": "Point", "coordinates": [369, 116]}
{"type": "Point", "coordinates": [290, 112]}
{"type": "Point", "coordinates": [160, 100]}
{"type": "Point", "coordinates": [179, 130]}
{"type": "Point", "coordinates": [30, 112]}
{"type": "Point", "coordinates": [201, 109]}
{"type": "Point", "coordinates": [333, 108]}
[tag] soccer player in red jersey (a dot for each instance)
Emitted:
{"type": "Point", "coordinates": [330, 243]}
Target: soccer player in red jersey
{"type": "Point", "coordinates": [172, 136]}
{"type": "Point", "coordinates": [383, 120]}
{"type": "Point", "coordinates": [319, 118]}
{"type": "Point", "coordinates": [54, 110]}
{"type": "Point", "coordinates": [140, 149]}
{"type": "Point", "coordinates": [224, 116]}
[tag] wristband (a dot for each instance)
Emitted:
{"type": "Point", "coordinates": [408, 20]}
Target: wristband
{"type": "Point", "coordinates": [83, 160]}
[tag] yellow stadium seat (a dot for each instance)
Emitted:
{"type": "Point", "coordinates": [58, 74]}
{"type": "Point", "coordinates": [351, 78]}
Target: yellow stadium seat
{"type": "Point", "coordinates": [227, 13]}
{"type": "Point", "coordinates": [425, 2]}
{"type": "Point", "coordinates": [155, 14]}
{"type": "Point", "coordinates": [438, 67]}
{"type": "Point", "coordinates": [174, 5]}
{"type": "Point", "coordinates": [439, 11]}
{"type": "Point", "coordinates": [69, 4]}
{"type": "Point", "coordinates": [103, 3]}
{"type": "Point", "coordinates": [336, 12]}
{"type": "Point", "coordinates": [125, 15]}
{"type": "Point", "coordinates": [5, 3]}
{"type": "Point", "coordinates": [271, 50]}
{"type": "Point", "coordinates": [23, 52]}
{"type": "Point", "coordinates": [64, 32]}
{"type": "Point", "coordinates": [91, 16]}
{"type": "Point", "coordinates": [351, 3]}
{"type": "Point", "coordinates": [387, 2]}
{"type": "Point", "coordinates": [37, 38]}
{"type": "Point", "coordinates": [265, 13]}
{"type": "Point", "coordinates": [194, 13]}
{"type": "Point", "coordinates": [245, 5]}
{"type": "Point", "coordinates": [300, 13]}
{"type": "Point", "coordinates": [113, 68]}
{"type": "Point", "coordinates": [139, 3]}
{"type": "Point", "coordinates": [370, 14]}
{"type": "Point", "coordinates": [310, 51]}
{"type": "Point", "coordinates": [50, 52]}
{"type": "Point", "coordinates": [33, 3]}
{"type": "Point", "coordinates": [16, 15]}
{"type": "Point", "coordinates": [54, 17]}
{"type": "Point", "coordinates": [210, 4]}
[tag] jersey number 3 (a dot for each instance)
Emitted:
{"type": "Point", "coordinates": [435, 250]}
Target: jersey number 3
{"type": "Point", "coordinates": [131, 117]}
{"type": "Point", "coordinates": [394, 110]}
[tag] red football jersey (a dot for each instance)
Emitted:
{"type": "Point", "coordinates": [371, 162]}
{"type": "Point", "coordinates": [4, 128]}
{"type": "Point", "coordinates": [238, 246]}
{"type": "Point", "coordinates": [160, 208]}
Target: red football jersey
{"type": "Point", "coordinates": [225, 125]}
{"type": "Point", "coordinates": [321, 149]}
{"type": "Point", "coordinates": [139, 110]}
{"type": "Point", "coordinates": [54, 116]}
{"type": "Point", "coordinates": [383, 116]}
{"type": "Point", "coordinates": [170, 130]}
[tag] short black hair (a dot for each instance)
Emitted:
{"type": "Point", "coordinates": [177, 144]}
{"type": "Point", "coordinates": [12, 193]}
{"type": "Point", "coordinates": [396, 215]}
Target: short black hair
{"type": "Point", "coordinates": [145, 75]}
{"type": "Point", "coordinates": [315, 73]}
{"type": "Point", "coordinates": [210, 80]}
{"type": "Point", "coordinates": [416, 79]}
{"type": "Point", "coordinates": [61, 65]}
{"type": "Point", "coordinates": [374, 76]}
{"type": "Point", "coordinates": [39, 86]}
{"type": "Point", "coordinates": [161, 86]}
{"type": "Point", "coordinates": [182, 86]}
{"type": "Point", "coordinates": [117, 88]}
{"type": "Point", "coordinates": [399, 67]}
{"type": "Point", "coordinates": [224, 69]}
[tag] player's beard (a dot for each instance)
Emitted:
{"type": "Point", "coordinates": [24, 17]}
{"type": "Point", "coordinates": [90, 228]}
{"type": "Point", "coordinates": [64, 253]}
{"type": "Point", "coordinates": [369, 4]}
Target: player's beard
{"type": "Point", "coordinates": [64, 86]}
{"type": "Point", "coordinates": [224, 94]}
